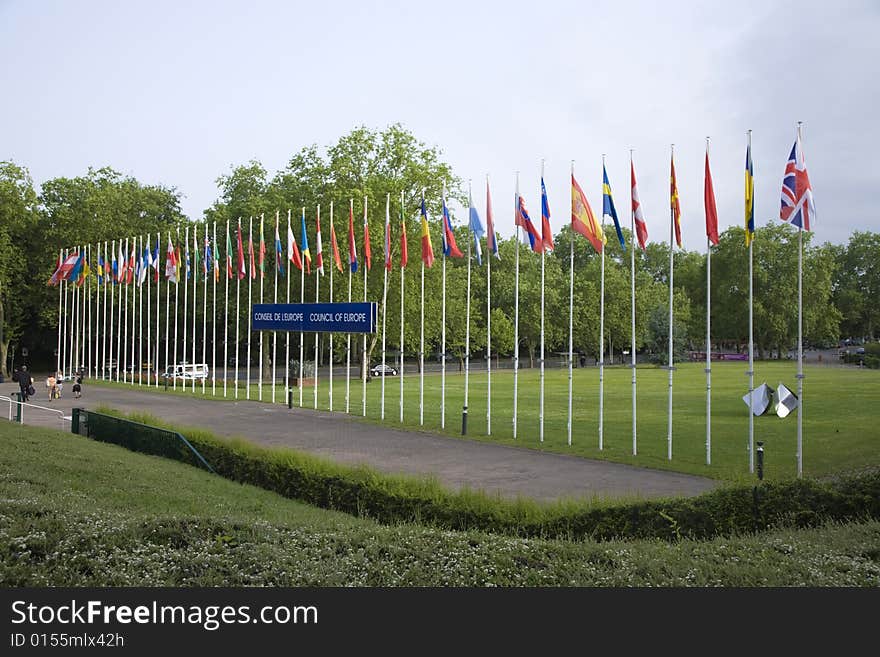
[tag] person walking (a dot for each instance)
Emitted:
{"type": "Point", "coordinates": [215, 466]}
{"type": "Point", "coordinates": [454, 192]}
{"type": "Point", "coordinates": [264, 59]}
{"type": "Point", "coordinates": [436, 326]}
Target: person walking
{"type": "Point", "coordinates": [25, 383]}
{"type": "Point", "coordinates": [77, 387]}
{"type": "Point", "coordinates": [51, 386]}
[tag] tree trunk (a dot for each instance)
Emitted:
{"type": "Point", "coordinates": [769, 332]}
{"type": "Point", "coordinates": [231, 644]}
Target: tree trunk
{"type": "Point", "coordinates": [4, 350]}
{"type": "Point", "coordinates": [531, 355]}
{"type": "Point", "coordinates": [267, 355]}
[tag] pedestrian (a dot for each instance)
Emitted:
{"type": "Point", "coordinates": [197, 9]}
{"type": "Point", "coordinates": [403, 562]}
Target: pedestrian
{"type": "Point", "coordinates": [51, 386]}
{"type": "Point", "coordinates": [25, 383]}
{"type": "Point", "coordinates": [77, 387]}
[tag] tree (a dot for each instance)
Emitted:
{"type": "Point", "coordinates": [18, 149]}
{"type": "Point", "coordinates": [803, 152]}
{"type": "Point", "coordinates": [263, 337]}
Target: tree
{"type": "Point", "coordinates": [856, 285]}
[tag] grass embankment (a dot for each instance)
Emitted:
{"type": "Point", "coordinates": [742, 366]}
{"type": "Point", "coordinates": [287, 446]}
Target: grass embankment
{"type": "Point", "coordinates": [841, 431]}
{"type": "Point", "coordinates": [74, 512]}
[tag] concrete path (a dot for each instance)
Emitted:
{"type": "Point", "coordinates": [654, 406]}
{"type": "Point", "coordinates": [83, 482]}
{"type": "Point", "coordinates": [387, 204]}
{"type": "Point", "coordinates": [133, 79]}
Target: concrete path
{"type": "Point", "coordinates": [510, 471]}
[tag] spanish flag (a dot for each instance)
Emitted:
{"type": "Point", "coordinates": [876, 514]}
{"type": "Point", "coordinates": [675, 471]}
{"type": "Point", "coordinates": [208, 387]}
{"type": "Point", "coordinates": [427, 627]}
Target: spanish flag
{"type": "Point", "coordinates": [427, 249]}
{"type": "Point", "coordinates": [674, 204]}
{"type": "Point", "coordinates": [583, 220]}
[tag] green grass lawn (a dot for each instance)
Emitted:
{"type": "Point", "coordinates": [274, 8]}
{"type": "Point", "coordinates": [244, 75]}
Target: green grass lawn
{"type": "Point", "coordinates": [841, 414]}
{"type": "Point", "coordinates": [74, 512]}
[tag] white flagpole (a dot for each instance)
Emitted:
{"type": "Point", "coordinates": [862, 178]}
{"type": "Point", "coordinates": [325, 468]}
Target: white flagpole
{"type": "Point", "coordinates": [275, 301]}
{"type": "Point", "coordinates": [167, 311]}
{"type": "Point", "coordinates": [364, 362]}
{"type": "Point", "coordinates": [467, 322]}
{"type": "Point", "coordinates": [140, 359]}
{"type": "Point", "coordinates": [97, 318]}
{"type": "Point", "coordinates": [541, 386]}
{"type": "Point", "coordinates": [226, 312]}
{"type": "Point", "coordinates": [387, 243]}
{"type": "Point", "coordinates": [187, 272]}
{"type": "Point", "coordinates": [671, 254]}
{"type": "Point", "coordinates": [317, 299]}
{"type": "Point", "coordinates": [348, 336]}
{"type": "Point", "coordinates": [158, 307]}
{"type": "Point", "coordinates": [709, 343]}
{"type": "Point", "coordinates": [62, 327]}
{"type": "Point", "coordinates": [402, 276]}
{"type": "Point", "coordinates": [215, 271]}
{"type": "Point", "coordinates": [516, 315]}
{"type": "Point", "coordinates": [125, 327]}
{"type": "Point", "coordinates": [800, 370]}
{"type": "Point", "coordinates": [287, 391]}
{"type": "Point", "coordinates": [751, 371]}
{"type": "Point", "coordinates": [489, 255]}
{"type": "Point", "coordinates": [422, 341]}
{"type": "Point", "coordinates": [247, 362]}
{"type": "Point", "coordinates": [135, 367]}
{"type": "Point", "coordinates": [206, 268]}
{"type": "Point", "coordinates": [104, 373]}
{"type": "Point", "coordinates": [181, 267]}
{"type": "Point", "coordinates": [237, 314]}
{"type": "Point", "coordinates": [119, 324]}
{"type": "Point", "coordinates": [570, 319]}
{"type": "Point", "coordinates": [149, 314]}
{"type": "Point", "coordinates": [632, 283]}
{"type": "Point", "coordinates": [443, 325]}
{"type": "Point", "coordinates": [302, 299]}
{"type": "Point", "coordinates": [60, 297]}
{"type": "Point", "coordinates": [602, 337]}
{"type": "Point", "coordinates": [195, 272]}
{"type": "Point", "coordinates": [262, 274]}
{"type": "Point", "coordinates": [332, 267]}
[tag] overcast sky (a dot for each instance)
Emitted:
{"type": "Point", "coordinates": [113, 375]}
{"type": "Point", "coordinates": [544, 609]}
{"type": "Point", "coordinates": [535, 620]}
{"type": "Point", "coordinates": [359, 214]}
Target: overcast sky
{"type": "Point", "coordinates": [178, 92]}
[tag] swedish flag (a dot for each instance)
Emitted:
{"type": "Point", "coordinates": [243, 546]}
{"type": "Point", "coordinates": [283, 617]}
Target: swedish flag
{"type": "Point", "coordinates": [608, 208]}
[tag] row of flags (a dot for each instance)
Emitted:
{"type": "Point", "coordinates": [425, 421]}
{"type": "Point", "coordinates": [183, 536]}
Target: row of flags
{"type": "Point", "coordinates": [797, 207]}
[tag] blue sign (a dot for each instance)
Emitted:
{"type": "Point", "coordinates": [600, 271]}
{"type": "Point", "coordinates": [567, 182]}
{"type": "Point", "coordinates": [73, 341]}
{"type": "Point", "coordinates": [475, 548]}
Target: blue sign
{"type": "Point", "coordinates": [316, 317]}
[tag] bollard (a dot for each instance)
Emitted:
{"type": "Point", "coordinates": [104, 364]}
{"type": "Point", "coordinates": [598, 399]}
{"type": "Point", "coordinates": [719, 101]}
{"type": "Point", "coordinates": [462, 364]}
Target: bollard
{"type": "Point", "coordinates": [464, 415]}
{"type": "Point", "coordinates": [18, 409]}
{"type": "Point", "coordinates": [289, 397]}
{"type": "Point", "coordinates": [760, 453]}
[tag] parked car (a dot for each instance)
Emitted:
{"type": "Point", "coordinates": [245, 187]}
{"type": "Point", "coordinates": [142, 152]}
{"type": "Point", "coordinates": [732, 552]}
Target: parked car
{"type": "Point", "coordinates": [383, 370]}
{"type": "Point", "coordinates": [186, 371]}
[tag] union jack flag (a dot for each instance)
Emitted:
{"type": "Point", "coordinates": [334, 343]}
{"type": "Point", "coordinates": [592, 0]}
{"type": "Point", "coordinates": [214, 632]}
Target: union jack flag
{"type": "Point", "coordinates": [797, 194]}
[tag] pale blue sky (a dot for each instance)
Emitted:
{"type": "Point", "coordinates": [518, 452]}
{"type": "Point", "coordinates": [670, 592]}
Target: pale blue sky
{"type": "Point", "coordinates": [177, 92]}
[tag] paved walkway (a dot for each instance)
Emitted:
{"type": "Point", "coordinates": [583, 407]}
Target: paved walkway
{"type": "Point", "coordinates": [510, 471]}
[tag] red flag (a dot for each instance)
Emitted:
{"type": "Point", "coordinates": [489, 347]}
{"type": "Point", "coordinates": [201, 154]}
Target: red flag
{"type": "Point", "coordinates": [638, 215]}
{"type": "Point", "coordinates": [709, 203]}
{"type": "Point", "coordinates": [251, 251]}
{"type": "Point", "coordinates": [673, 200]}
{"type": "Point", "coordinates": [241, 272]}
{"type": "Point", "coordinates": [335, 247]}
{"type": "Point", "coordinates": [367, 253]}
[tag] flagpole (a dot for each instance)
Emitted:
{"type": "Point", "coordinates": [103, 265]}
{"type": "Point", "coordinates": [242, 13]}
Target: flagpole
{"type": "Point", "coordinates": [443, 326]}
{"type": "Point", "coordinates": [97, 318]}
{"type": "Point", "coordinates": [402, 276]}
{"type": "Point", "coordinates": [570, 319]}
{"type": "Point", "coordinates": [708, 341]}
{"type": "Point", "coordinates": [516, 314]}
{"type": "Point", "coordinates": [543, 253]}
{"type": "Point", "coordinates": [288, 394]}
{"type": "Point", "coordinates": [62, 320]}
{"type": "Point", "coordinates": [140, 359]}
{"type": "Point", "coordinates": [317, 299]}
{"type": "Point", "coordinates": [119, 325]}
{"type": "Point", "coordinates": [632, 283]}
{"type": "Point", "coordinates": [158, 306]}
{"type": "Point", "coordinates": [751, 372]}
{"type": "Point", "coordinates": [422, 339]}
{"type": "Point", "coordinates": [149, 311]}
{"type": "Point", "coordinates": [602, 337]}
{"type": "Point", "coordinates": [467, 330]}
{"type": "Point", "coordinates": [385, 291]}
{"type": "Point", "coordinates": [275, 301]}
{"type": "Point", "coordinates": [226, 313]}
{"type": "Point", "coordinates": [186, 274]}
{"type": "Point", "coordinates": [134, 315]}
{"type": "Point", "coordinates": [489, 255]}
{"type": "Point", "coordinates": [348, 335]}
{"type": "Point", "coordinates": [671, 273]}
{"type": "Point", "coordinates": [195, 272]}
{"type": "Point", "coordinates": [104, 373]}
{"type": "Point", "coordinates": [237, 314]}
{"type": "Point", "coordinates": [364, 363]}
{"type": "Point", "coordinates": [65, 348]}
{"type": "Point", "coordinates": [205, 264]}
{"type": "Point", "coordinates": [216, 266]}
{"type": "Point", "coordinates": [167, 312]}
{"type": "Point", "coordinates": [332, 267]}
{"type": "Point", "coordinates": [800, 370]}
{"type": "Point", "coordinates": [125, 327]}
{"type": "Point", "coordinates": [247, 364]}
{"type": "Point", "coordinates": [60, 296]}
{"type": "Point", "coordinates": [262, 274]}
{"type": "Point", "coordinates": [302, 299]}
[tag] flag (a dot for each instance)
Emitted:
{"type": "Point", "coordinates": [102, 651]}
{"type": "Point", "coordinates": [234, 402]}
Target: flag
{"type": "Point", "coordinates": [334, 246]}
{"type": "Point", "coordinates": [292, 249]}
{"type": "Point", "coordinates": [319, 248]}
{"type": "Point", "coordinates": [450, 248]}
{"type": "Point", "coordinates": [368, 255]}
{"type": "Point", "coordinates": [387, 242]}
{"type": "Point", "coordinates": [84, 272]}
{"type": "Point", "coordinates": [279, 254]}
{"type": "Point", "coordinates": [170, 263]}
{"type": "Point", "coordinates": [216, 257]}
{"type": "Point", "coordinates": [262, 251]}
{"type": "Point", "coordinates": [641, 226]}
{"type": "Point", "coordinates": [228, 254]}
{"type": "Point", "coordinates": [404, 252]}
{"type": "Point", "coordinates": [240, 252]}
{"type": "Point", "coordinates": [583, 220]}
{"type": "Point", "coordinates": [750, 197]}
{"type": "Point", "coordinates": [209, 256]}
{"type": "Point", "coordinates": [100, 270]}
{"type": "Point", "coordinates": [523, 220]}
{"type": "Point", "coordinates": [546, 233]}
{"type": "Point", "coordinates": [251, 250]}
{"type": "Point", "coordinates": [188, 271]}
{"type": "Point", "coordinates": [709, 205]}
{"type": "Point", "coordinates": [427, 249]}
{"type": "Point", "coordinates": [144, 266]}
{"type": "Point", "coordinates": [306, 253]}
{"type": "Point", "coordinates": [76, 270]}
{"type": "Point", "coordinates": [131, 265]}
{"type": "Point", "coordinates": [608, 208]}
{"type": "Point", "coordinates": [797, 194]}
{"type": "Point", "coordinates": [178, 262]}
{"type": "Point", "coordinates": [55, 278]}
{"type": "Point", "coordinates": [492, 238]}
{"type": "Point", "coordinates": [673, 201]}
{"type": "Point", "coordinates": [155, 261]}
{"type": "Point", "coordinates": [120, 266]}
{"type": "Point", "coordinates": [352, 251]}
{"type": "Point", "coordinates": [62, 272]}
{"type": "Point", "coordinates": [476, 228]}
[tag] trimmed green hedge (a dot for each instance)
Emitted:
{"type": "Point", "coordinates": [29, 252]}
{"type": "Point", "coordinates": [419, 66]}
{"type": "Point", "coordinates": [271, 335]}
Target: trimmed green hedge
{"type": "Point", "coordinates": [391, 499]}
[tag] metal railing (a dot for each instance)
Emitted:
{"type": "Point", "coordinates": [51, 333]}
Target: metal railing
{"type": "Point", "coordinates": [19, 417]}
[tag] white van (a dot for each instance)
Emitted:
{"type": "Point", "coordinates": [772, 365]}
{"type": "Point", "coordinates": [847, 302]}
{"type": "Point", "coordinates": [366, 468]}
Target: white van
{"type": "Point", "coordinates": [186, 371]}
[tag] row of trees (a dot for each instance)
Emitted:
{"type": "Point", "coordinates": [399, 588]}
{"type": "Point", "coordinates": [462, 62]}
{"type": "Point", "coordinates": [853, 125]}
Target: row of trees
{"type": "Point", "coordinates": [842, 282]}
